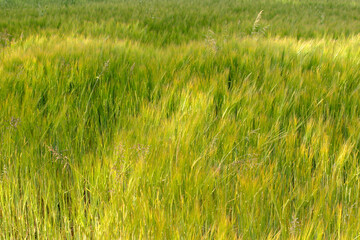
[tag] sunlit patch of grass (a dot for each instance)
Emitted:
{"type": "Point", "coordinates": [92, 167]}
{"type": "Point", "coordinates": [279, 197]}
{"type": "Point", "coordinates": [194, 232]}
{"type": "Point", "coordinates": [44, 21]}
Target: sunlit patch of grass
{"type": "Point", "coordinates": [158, 132]}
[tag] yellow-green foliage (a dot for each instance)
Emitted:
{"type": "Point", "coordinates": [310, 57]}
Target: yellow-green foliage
{"type": "Point", "coordinates": [190, 119]}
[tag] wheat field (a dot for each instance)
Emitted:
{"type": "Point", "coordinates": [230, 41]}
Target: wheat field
{"type": "Point", "coordinates": [179, 119]}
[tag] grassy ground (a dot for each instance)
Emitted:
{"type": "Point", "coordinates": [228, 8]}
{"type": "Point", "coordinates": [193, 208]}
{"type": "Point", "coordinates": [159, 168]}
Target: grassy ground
{"type": "Point", "coordinates": [191, 119]}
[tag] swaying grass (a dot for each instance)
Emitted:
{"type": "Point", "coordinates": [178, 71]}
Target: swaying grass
{"type": "Point", "coordinates": [179, 119]}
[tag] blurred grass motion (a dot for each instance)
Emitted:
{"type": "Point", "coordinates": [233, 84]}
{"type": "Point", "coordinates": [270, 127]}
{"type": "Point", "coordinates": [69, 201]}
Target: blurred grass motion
{"type": "Point", "coordinates": [190, 119]}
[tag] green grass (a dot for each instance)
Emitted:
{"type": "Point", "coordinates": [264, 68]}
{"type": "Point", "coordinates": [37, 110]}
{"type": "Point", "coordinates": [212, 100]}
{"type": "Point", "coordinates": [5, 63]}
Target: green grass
{"type": "Point", "coordinates": [167, 119]}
